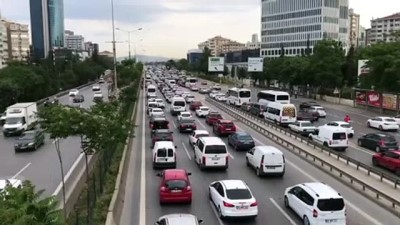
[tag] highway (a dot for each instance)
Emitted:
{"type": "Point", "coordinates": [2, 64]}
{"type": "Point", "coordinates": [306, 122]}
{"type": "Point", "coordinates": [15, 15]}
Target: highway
{"type": "Point", "coordinates": [142, 202]}
{"type": "Point", "coordinates": [42, 167]}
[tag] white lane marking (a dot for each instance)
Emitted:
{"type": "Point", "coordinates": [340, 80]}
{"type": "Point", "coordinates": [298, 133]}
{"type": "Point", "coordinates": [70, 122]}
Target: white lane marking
{"type": "Point", "coordinates": [69, 173]}
{"type": "Point", "coordinates": [360, 149]}
{"type": "Point", "coordinates": [215, 212]}
{"type": "Point", "coordinates": [230, 155]}
{"type": "Point", "coordinates": [282, 211]}
{"type": "Point", "coordinates": [187, 152]}
{"type": "Point", "coordinates": [173, 123]}
{"type": "Point", "coordinates": [142, 200]}
{"type": "Point", "coordinates": [21, 171]}
{"type": "Point", "coordinates": [201, 124]}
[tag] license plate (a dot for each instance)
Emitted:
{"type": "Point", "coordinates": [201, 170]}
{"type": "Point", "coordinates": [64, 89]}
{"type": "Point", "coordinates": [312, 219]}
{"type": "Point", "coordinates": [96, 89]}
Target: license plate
{"type": "Point", "coordinates": [270, 167]}
{"type": "Point", "coordinates": [215, 158]}
{"type": "Point", "coordinates": [188, 128]}
{"type": "Point", "coordinates": [242, 207]}
{"type": "Point", "coordinates": [228, 129]}
{"type": "Point", "coordinates": [176, 191]}
{"type": "Point", "coordinates": [310, 130]}
{"type": "Point", "coordinates": [284, 120]}
{"type": "Point", "coordinates": [162, 159]}
{"type": "Point", "coordinates": [331, 221]}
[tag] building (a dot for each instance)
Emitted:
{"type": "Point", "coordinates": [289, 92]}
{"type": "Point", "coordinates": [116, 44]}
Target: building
{"type": "Point", "coordinates": [194, 56]}
{"type": "Point", "coordinates": [362, 37]}
{"type": "Point", "coordinates": [73, 41]}
{"type": "Point", "coordinates": [368, 37]}
{"type": "Point", "coordinates": [354, 28]}
{"type": "Point", "coordinates": [106, 53]}
{"type": "Point", "coordinates": [231, 47]}
{"type": "Point", "coordinates": [47, 25]}
{"type": "Point", "coordinates": [91, 48]}
{"type": "Point", "coordinates": [254, 43]}
{"type": "Point", "coordinates": [18, 41]}
{"type": "Point", "coordinates": [296, 26]}
{"type": "Point", "coordinates": [3, 44]}
{"type": "Point", "coordinates": [383, 28]}
{"type": "Point", "coordinates": [219, 45]}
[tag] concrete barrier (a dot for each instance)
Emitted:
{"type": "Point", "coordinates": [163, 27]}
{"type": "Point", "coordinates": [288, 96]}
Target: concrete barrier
{"type": "Point", "coordinates": [41, 101]}
{"type": "Point", "coordinates": [335, 100]}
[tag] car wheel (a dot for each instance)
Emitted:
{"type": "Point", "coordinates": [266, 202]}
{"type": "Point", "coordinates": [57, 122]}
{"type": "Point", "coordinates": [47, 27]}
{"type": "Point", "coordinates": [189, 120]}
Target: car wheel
{"type": "Point", "coordinates": [220, 215]}
{"type": "Point", "coordinates": [380, 127]}
{"type": "Point", "coordinates": [306, 221]}
{"type": "Point", "coordinates": [247, 162]}
{"type": "Point", "coordinates": [374, 162]}
{"type": "Point", "coordinates": [368, 124]}
{"type": "Point", "coordinates": [377, 149]}
{"type": "Point", "coordinates": [258, 172]}
{"type": "Point", "coordinates": [359, 142]}
{"type": "Point", "coordinates": [286, 202]}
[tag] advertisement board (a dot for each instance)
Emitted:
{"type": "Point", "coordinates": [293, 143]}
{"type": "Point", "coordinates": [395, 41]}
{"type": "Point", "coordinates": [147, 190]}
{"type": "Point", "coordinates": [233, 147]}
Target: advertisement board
{"type": "Point", "coordinates": [255, 64]}
{"type": "Point", "coordinates": [389, 101]}
{"type": "Point", "coordinates": [361, 97]}
{"type": "Point", "coordinates": [362, 67]}
{"type": "Point", "coordinates": [374, 98]}
{"type": "Point", "coordinates": [216, 64]}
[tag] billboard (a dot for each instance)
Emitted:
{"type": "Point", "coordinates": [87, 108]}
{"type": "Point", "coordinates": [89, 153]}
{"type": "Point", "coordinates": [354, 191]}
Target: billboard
{"type": "Point", "coordinates": [255, 64]}
{"type": "Point", "coordinates": [389, 101]}
{"type": "Point", "coordinates": [374, 98]}
{"type": "Point", "coordinates": [362, 67]}
{"type": "Point", "coordinates": [216, 64]}
{"type": "Point", "coordinates": [361, 97]}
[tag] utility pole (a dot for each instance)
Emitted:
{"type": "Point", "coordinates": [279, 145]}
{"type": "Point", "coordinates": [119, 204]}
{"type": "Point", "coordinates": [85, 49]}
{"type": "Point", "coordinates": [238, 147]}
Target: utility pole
{"type": "Point", "coordinates": [114, 50]}
{"type": "Point", "coordinates": [129, 37]}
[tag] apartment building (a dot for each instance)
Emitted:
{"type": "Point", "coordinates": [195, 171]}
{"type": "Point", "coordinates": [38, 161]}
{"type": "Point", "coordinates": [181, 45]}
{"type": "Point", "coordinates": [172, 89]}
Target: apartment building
{"type": "Point", "coordinates": [74, 41]}
{"type": "Point", "coordinates": [3, 44]}
{"type": "Point", "coordinates": [18, 41]}
{"type": "Point", "coordinates": [382, 29]}
{"type": "Point", "coordinates": [91, 48]}
{"type": "Point", "coordinates": [354, 28]}
{"type": "Point", "coordinates": [295, 26]}
{"type": "Point", "coordinates": [219, 45]}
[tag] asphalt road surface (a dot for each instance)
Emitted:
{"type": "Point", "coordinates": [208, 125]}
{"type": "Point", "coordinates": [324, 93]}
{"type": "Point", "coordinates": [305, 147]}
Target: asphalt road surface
{"type": "Point", "coordinates": [142, 202]}
{"type": "Point", "coordinates": [42, 167]}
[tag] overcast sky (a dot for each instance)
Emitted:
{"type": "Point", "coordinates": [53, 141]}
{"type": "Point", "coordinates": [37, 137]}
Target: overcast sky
{"type": "Point", "coordinates": [171, 27]}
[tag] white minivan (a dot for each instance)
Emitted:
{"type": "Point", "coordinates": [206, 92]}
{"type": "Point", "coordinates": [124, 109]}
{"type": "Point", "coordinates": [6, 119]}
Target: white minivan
{"type": "Point", "coordinates": [178, 105]}
{"type": "Point", "coordinates": [332, 137]}
{"type": "Point", "coordinates": [282, 114]}
{"type": "Point", "coordinates": [266, 160]}
{"type": "Point", "coordinates": [151, 91]}
{"type": "Point", "coordinates": [164, 154]}
{"type": "Point", "coordinates": [211, 152]}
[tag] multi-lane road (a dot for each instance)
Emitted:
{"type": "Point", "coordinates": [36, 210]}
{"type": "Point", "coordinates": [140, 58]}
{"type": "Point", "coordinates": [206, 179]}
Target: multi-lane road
{"type": "Point", "coordinates": [42, 167]}
{"type": "Point", "coordinates": [142, 203]}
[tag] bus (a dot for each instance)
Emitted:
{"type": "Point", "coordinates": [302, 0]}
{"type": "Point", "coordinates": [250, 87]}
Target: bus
{"type": "Point", "coordinates": [238, 96]}
{"type": "Point", "coordinates": [190, 81]}
{"type": "Point", "coordinates": [282, 114]}
{"type": "Point", "coordinates": [265, 97]}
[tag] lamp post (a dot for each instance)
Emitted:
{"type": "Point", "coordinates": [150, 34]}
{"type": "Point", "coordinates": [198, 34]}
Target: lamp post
{"type": "Point", "coordinates": [113, 46]}
{"type": "Point", "coordinates": [129, 37]}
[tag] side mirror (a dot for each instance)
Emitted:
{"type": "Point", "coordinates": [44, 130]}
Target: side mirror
{"type": "Point", "coordinates": [189, 174]}
{"type": "Point", "coordinates": [200, 221]}
{"type": "Point", "coordinates": [158, 174]}
{"type": "Point", "coordinates": [176, 146]}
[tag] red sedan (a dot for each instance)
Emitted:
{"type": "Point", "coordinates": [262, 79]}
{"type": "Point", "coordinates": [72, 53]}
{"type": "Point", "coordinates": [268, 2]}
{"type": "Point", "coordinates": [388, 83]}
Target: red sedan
{"type": "Point", "coordinates": [195, 105]}
{"type": "Point", "coordinates": [175, 186]}
{"type": "Point", "coordinates": [213, 117]}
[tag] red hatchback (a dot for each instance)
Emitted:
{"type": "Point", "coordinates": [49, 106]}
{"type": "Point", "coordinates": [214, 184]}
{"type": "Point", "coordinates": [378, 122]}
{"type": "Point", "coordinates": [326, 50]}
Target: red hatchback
{"type": "Point", "coordinates": [195, 105]}
{"type": "Point", "coordinates": [212, 118]}
{"type": "Point", "coordinates": [388, 159]}
{"type": "Point", "coordinates": [175, 186]}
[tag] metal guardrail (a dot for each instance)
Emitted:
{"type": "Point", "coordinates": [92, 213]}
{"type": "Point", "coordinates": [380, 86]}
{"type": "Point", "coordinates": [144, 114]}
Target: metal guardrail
{"type": "Point", "coordinates": [239, 114]}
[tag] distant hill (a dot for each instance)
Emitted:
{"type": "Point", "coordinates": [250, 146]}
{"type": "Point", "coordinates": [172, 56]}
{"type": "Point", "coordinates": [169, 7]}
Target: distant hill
{"type": "Point", "coordinates": [147, 58]}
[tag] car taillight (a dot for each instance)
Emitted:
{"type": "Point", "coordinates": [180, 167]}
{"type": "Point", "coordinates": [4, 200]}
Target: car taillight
{"type": "Point", "coordinates": [204, 160]}
{"type": "Point", "coordinates": [314, 213]}
{"type": "Point", "coordinates": [381, 143]}
{"type": "Point", "coordinates": [227, 160]}
{"type": "Point", "coordinates": [226, 204]}
{"type": "Point", "coordinates": [253, 204]}
{"type": "Point", "coordinates": [175, 157]}
{"type": "Point", "coordinates": [163, 189]}
{"type": "Point", "coordinates": [262, 162]}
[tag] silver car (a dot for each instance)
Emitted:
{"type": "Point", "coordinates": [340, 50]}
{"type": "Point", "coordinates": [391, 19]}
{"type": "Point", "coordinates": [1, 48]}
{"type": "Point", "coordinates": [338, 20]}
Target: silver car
{"type": "Point", "coordinates": [178, 219]}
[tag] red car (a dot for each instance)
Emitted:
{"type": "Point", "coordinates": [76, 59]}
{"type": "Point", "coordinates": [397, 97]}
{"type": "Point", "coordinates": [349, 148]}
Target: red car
{"type": "Point", "coordinates": [388, 159]}
{"type": "Point", "coordinates": [224, 127]}
{"type": "Point", "coordinates": [175, 186]}
{"type": "Point", "coordinates": [213, 117]}
{"type": "Point", "coordinates": [195, 105]}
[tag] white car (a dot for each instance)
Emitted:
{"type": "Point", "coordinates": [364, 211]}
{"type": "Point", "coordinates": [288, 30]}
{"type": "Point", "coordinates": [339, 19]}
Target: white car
{"type": "Point", "coordinates": [319, 109]}
{"type": "Point", "coordinates": [233, 198]}
{"type": "Point", "coordinates": [220, 97]}
{"type": "Point", "coordinates": [13, 182]}
{"type": "Point", "coordinates": [213, 93]}
{"type": "Point", "coordinates": [203, 111]}
{"type": "Point", "coordinates": [189, 98]}
{"type": "Point", "coordinates": [160, 103]}
{"type": "Point", "coordinates": [185, 115]}
{"type": "Point", "coordinates": [196, 134]}
{"type": "Point", "coordinates": [383, 123]}
{"type": "Point", "coordinates": [185, 93]}
{"type": "Point", "coordinates": [156, 112]}
{"type": "Point", "coordinates": [96, 87]}
{"type": "Point", "coordinates": [397, 118]}
{"type": "Point", "coordinates": [194, 88]}
{"type": "Point", "coordinates": [73, 92]}
{"type": "Point", "coordinates": [217, 87]}
{"type": "Point", "coordinates": [303, 127]}
{"type": "Point", "coordinates": [347, 126]}
{"type": "Point", "coordinates": [151, 100]}
{"type": "Point", "coordinates": [98, 94]}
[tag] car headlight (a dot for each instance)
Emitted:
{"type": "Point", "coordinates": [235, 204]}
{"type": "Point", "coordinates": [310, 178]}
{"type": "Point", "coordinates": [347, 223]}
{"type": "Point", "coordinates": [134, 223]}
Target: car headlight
{"type": "Point", "coordinates": [31, 143]}
{"type": "Point", "coordinates": [15, 145]}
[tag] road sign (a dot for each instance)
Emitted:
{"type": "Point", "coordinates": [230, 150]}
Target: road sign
{"type": "Point", "coordinates": [216, 64]}
{"type": "Point", "coordinates": [255, 64]}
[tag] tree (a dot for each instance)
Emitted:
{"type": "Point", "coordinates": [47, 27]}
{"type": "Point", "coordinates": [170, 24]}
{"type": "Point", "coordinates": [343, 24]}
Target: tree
{"type": "Point", "coordinates": [204, 60]}
{"type": "Point", "coordinates": [226, 70]}
{"type": "Point", "coordinates": [242, 73]}
{"type": "Point", "coordinates": [350, 68]}
{"type": "Point", "coordinates": [170, 64]}
{"type": "Point", "coordinates": [24, 205]}
{"type": "Point", "coordinates": [182, 64]}
{"type": "Point", "coordinates": [233, 69]}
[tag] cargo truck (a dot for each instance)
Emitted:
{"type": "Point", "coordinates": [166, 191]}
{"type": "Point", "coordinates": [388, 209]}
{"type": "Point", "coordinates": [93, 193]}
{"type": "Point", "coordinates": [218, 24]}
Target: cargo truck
{"type": "Point", "coordinates": [19, 118]}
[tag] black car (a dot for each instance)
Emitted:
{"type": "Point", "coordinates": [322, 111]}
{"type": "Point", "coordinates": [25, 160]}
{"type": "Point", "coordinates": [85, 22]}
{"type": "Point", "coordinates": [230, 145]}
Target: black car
{"type": "Point", "coordinates": [258, 109]}
{"type": "Point", "coordinates": [306, 105]}
{"type": "Point", "coordinates": [29, 140]}
{"type": "Point", "coordinates": [78, 99]}
{"type": "Point", "coordinates": [157, 123]}
{"type": "Point", "coordinates": [378, 142]}
{"type": "Point", "coordinates": [161, 135]}
{"type": "Point", "coordinates": [50, 101]}
{"type": "Point", "coordinates": [241, 141]}
{"type": "Point", "coordinates": [186, 125]}
{"type": "Point", "coordinates": [307, 116]}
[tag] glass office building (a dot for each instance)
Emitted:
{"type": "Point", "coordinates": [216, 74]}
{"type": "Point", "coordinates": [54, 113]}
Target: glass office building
{"type": "Point", "coordinates": [56, 22]}
{"type": "Point", "coordinates": [293, 26]}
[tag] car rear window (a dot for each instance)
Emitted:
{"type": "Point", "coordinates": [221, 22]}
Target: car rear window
{"type": "Point", "coordinates": [230, 124]}
{"type": "Point", "coordinates": [245, 137]}
{"type": "Point", "coordinates": [388, 139]}
{"type": "Point", "coordinates": [333, 204]}
{"type": "Point", "coordinates": [163, 152]}
{"type": "Point", "coordinates": [204, 109]}
{"type": "Point", "coordinates": [179, 103]}
{"type": "Point", "coordinates": [339, 136]}
{"type": "Point", "coordinates": [215, 149]}
{"type": "Point", "coordinates": [238, 194]}
{"type": "Point", "coordinates": [345, 125]}
{"type": "Point", "coordinates": [175, 184]}
{"type": "Point", "coordinates": [202, 135]}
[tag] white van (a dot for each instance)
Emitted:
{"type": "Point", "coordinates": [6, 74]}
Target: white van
{"type": "Point", "coordinates": [266, 160]}
{"type": "Point", "coordinates": [151, 91]}
{"type": "Point", "coordinates": [282, 114]}
{"type": "Point", "coordinates": [332, 137]}
{"type": "Point", "coordinates": [171, 83]}
{"type": "Point", "coordinates": [164, 155]}
{"type": "Point", "coordinates": [211, 152]}
{"type": "Point", "coordinates": [178, 105]}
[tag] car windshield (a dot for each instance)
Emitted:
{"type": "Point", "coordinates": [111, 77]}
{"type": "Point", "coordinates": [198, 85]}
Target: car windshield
{"type": "Point", "coordinates": [179, 103]}
{"type": "Point", "coordinates": [236, 194]}
{"type": "Point", "coordinates": [204, 109]}
{"type": "Point", "coordinates": [13, 120]}
{"type": "Point", "coordinates": [186, 115]}
{"type": "Point", "coordinates": [306, 124]}
{"type": "Point", "coordinates": [27, 136]}
{"type": "Point", "coordinates": [202, 135]}
{"type": "Point", "coordinates": [330, 204]}
{"type": "Point", "coordinates": [245, 94]}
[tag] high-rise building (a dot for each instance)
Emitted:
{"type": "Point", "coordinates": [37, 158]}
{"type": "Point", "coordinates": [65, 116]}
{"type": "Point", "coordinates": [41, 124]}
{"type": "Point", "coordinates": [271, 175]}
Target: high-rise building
{"type": "Point", "coordinates": [3, 44]}
{"type": "Point", "coordinates": [73, 41]}
{"type": "Point", "coordinates": [47, 26]}
{"type": "Point", "coordinates": [254, 43]}
{"type": "Point", "coordinates": [295, 26]}
{"type": "Point", "coordinates": [219, 45]}
{"type": "Point", "coordinates": [91, 48]}
{"type": "Point", "coordinates": [194, 56]}
{"type": "Point", "coordinates": [354, 28]}
{"type": "Point", "coordinates": [362, 37]}
{"type": "Point", "coordinates": [18, 41]}
{"type": "Point", "coordinates": [382, 29]}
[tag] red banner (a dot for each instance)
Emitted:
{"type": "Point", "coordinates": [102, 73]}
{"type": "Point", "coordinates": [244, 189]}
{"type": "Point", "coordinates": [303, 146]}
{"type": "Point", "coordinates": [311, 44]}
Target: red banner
{"type": "Point", "coordinates": [361, 97]}
{"type": "Point", "coordinates": [374, 98]}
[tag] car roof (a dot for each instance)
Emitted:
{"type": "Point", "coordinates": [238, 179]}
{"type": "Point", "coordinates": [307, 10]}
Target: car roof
{"type": "Point", "coordinates": [268, 149]}
{"type": "Point", "coordinates": [233, 184]}
{"type": "Point", "coordinates": [201, 132]}
{"type": "Point", "coordinates": [178, 174]}
{"type": "Point", "coordinates": [320, 190]}
{"type": "Point", "coordinates": [339, 122]}
{"type": "Point", "coordinates": [212, 140]}
{"type": "Point", "coordinates": [186, 112]}
{"type": "Point", "coordinates": [204, 107]}
{"type": "Point", "coordinates": [241, 133]}
{"type": "Point", "coordinates": [225, 121]}
{"type": "Point", "coordinates": [164, 144]}
{"type": "Point", "coordinates": [303, 121]}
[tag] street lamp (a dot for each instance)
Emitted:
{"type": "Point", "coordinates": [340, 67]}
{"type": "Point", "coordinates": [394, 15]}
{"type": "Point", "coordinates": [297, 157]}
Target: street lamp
{"type": "Point", "coordinates": [129, 37]}
{"type": "Point", "coordinates": [57, 145]}
{"type": "Point", "coordinates": [114, 50]}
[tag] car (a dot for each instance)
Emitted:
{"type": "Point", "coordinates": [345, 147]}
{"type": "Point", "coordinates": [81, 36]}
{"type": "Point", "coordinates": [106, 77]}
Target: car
{"type": "Point", "coordinates": [204, 90]}
{"type": "Point", "coordinates": [224, 127]}
{"type": "Point", "coordinates": [332, 137]}
{"type": "Point", "coordinates": [306, 116]}
{"type": "Point", "coordinates": [156, 111]}
{"type": "Point", "coordinates": [217, 87]}
{"type": "Point", "coordinates": [194, 105]}
{"type": "Point", "coordinates": [194, 88]}
{"type": "Point", "coordinates": [258, 109]}
{"type": "Point", "coordinates": [184, 115]}
{"type": "Point", "coordinates": [29, 140]}
{"type": "Point", "coordinates": [164, 155]}
{"type": "Point", "coordinates": [246, 106]}
{"type": "Point", "coordinates": [160, 103]}
{"type": "Point", "coordinates": [12, 182]}
{"type": "Point", "coordinates": [175, 186]}
{"type": "Point", "coordinates": [303, 127]}
{"type": "Point", "coordinates": [98, 95]}
{"type": "Point", "coordinates": [233, 198]}
{"type": "Point", "coordinates": [197, 134]}
{"type": "Point", "coordinates": [151, 99]}
{"type": "Point", "coordinates": [220, 97]}
{"type": "Point", "coordinates": [150, 106]}
{"type": "Point", "coordinates": [202, 111]}
{"type": "Point", "coordinates": [318, 109]}
{"type": "Point", "coordinates": [96, 87]}
{"type": "Point", "coordinates": [306, 105]}
{"type": "Point", "coordinates": [378, 142]}
{"type": "Point", "coordinates": [157, 123]}
{"type": "Point", "coordinates": [189, 98]}
{"type": "Point", "coordinates": [389, 160]}
{"type": "Point", "coordinates": [347, 126]}
{"type": "Point", "coordinates": [78, 99]}
{"type": "Point", "coordinates": [397, 118]}
{"type": "Point", "coordinates": [266, 160]}
{"type": "Point", "coordinates": [203, 82]}
{"type": "Point", "coordinates": [48, 102]}
{"type": "Point", "coordinates": [178, 105]}
{"type": "Point", "coordinates": [213, 117]}
{"type": "Point", "coordinates": [185, 93]}
{"type": "Point", "coordinates": [213, 93]}
{"type": "Point", "coordinates": [383, 123]}
{"type": "Point", "coordinates": [179, 219]}
{"type": "Point", "coordinates": [241, 141]}
{"type": "Point", "coordinates": [316, 203]}
{"type": "Point", "coordinates": [161, 135]}
{"type": "Point", "coordinates": [73, 92]}
{"type": "Point", "coordinates": [186, 125]}
{"type": "Point", "coordinates": [101, 80]}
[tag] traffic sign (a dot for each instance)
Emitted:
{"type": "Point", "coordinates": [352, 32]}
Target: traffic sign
{"type": "Point", "coordinates": [216, 64]}
{"type": "Point", "coordinates": [255, 64]}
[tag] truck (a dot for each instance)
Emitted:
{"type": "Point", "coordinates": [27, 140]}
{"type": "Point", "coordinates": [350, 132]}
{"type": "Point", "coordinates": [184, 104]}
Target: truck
{"type": "Point", "coordinates": [19, 118]}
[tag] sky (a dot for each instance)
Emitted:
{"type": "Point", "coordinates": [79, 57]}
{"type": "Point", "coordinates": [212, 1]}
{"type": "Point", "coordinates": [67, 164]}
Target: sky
{"type": "Point", "coordinates": [170, 27]}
